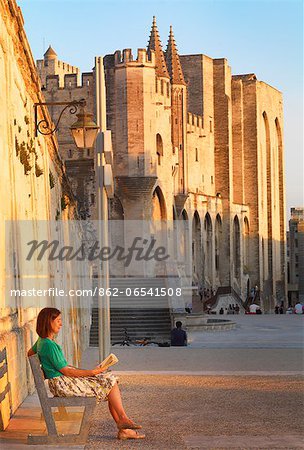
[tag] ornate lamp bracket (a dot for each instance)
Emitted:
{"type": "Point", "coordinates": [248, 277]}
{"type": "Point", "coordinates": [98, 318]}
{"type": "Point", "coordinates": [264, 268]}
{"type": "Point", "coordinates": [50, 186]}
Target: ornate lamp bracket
{"type": "Point", "coordinates": [44, 126]}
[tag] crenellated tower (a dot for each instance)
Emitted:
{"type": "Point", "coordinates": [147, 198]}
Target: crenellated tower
{"type": "Point", "coordinates": [131, 116]}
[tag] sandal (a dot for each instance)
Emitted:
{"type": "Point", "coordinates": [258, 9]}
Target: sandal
{"type": "Point", "coordinates": [123, 436]}
{"type": "Point", "coordinates": [130, 425]}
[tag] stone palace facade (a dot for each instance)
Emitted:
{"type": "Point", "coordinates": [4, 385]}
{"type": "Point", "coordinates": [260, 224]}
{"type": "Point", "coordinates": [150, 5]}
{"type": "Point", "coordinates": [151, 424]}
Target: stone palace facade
{"type": "Point", "coordinates": [194, 145]}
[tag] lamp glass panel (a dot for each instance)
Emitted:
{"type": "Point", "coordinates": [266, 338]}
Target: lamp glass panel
{"type": "Point", "coordinates": [90, 136]}
{"type": "Point", "coordinates": [84, 137]}
{"type": "Point", "coordinates": [78, 136]}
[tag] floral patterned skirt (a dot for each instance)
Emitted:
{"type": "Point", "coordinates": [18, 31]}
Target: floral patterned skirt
{"type": "Point", "coordinates": [98, 386]}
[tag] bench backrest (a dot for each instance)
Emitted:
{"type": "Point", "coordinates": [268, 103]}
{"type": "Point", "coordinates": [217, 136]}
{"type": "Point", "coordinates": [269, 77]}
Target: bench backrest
{"type": "Point", "coordinates": [6, 391]}
{"type": "Point", "coordinates": [38, 377]}
{"type": "Point", "coordinates": [47, 403]}
{"type": "Point", "coordinates": [3, 371]}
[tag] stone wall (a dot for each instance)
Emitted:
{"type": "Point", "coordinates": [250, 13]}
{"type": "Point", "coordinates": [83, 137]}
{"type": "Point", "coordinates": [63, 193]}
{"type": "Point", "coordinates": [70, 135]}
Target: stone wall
{"type": "Point", "coordinates": [258, 169]}
{"type": "Point", "coordinates": [32, 189]}
{"type": "Point", "coordinates": [62, 82]}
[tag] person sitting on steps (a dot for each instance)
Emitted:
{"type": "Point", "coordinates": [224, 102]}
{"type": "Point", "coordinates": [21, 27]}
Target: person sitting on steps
{"type": "Point", "coordinates": [178, 336]}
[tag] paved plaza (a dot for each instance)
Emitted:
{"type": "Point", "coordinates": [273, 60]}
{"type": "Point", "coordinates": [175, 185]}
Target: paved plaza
{"type": "Point", "coordinates": [267, 344]}
{"type": "Point", "coordinates": [239, 389]}
{"type": "Point", "coordinates": [255, 331]}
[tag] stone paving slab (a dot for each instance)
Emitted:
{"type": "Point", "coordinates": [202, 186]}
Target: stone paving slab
{"type": "Point", "coordinates": [261, 344]}
{"type": "Point", "coordinates": [208, 373]}
{"type": "Point", "coordinates": [207, 412]}
{"type": "Point", "coordinates": [16, 446]}
{"type": "Point", "coordinates": [28, 419]}
{"type": "Point", "coordinates": [184, 359]}
{"type": "Point", "coordinates": [202, 442]}
{"type": "Point", "coordinates": [254, 331]}
{"type": "Point", "coordinates": [187, 412]}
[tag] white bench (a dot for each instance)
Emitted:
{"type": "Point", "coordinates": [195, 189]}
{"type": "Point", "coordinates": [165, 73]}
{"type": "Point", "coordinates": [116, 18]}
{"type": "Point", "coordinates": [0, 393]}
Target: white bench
{"type": "Point", "coordinates": [47, 403]}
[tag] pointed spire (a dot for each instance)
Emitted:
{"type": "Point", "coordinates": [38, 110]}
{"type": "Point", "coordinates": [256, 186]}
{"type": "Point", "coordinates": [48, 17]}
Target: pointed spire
{"type": "Point", "coordinates": [155, 44]}
{"type": "Point", "coordinates": [173, 61]}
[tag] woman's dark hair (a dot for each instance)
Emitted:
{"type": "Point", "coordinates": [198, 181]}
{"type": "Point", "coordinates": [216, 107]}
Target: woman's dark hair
{"type": "Point", "coordinates": [44, 319]}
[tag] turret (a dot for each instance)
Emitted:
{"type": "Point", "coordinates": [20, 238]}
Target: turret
{"type": "Point", "coordinates": [50, 66]}
{"type": "Point", "coordinates": [50, 54]}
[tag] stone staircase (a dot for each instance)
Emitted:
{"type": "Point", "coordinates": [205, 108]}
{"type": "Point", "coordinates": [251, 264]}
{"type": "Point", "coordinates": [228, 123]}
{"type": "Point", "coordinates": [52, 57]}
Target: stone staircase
{"type": "Point", "coordinates": [142, 316]}
{"type": "Point", "coordinates": [225, 295]}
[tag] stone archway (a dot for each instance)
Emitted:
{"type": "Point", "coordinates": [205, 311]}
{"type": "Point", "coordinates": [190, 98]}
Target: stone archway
{"type": "Point", "coordinates": [183, 243]}
{"type": "Point", "coordinates": [246, 245]}
{"type": "Point", "coordinates": [270, 200]}
{"type": "Point", "coordinates": [208, 250]}
{"type": "Point", "coordinates": [236, 249]}
{"type": "Point", "coordinates": [218, 243]}
{"type": "Point", "coordinates": [159, 210]}
{"type": "Point", "coordinates": [281, 288]}
{"type": "Point", "coordinates": [159, 225]}
{"type": "Point", "coordinates": [196, 249]}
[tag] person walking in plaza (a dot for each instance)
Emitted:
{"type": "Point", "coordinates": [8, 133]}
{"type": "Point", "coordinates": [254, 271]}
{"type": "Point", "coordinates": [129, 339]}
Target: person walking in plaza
{"type": "Point", "coordinates": [68, 381]}
{"type": "Point", "coordinates": [178, 336]}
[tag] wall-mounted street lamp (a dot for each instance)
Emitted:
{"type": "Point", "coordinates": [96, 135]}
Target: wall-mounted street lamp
{"type": "Point", "coordinates": [84, 130]}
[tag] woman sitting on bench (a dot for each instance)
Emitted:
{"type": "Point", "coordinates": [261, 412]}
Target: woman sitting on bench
{"type": "Point", "coordinates": [67, 381]}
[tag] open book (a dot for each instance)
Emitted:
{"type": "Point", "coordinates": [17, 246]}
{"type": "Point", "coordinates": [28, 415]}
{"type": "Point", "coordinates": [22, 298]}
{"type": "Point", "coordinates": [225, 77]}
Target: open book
{"type": "Point", "coordinates": [109, 361]}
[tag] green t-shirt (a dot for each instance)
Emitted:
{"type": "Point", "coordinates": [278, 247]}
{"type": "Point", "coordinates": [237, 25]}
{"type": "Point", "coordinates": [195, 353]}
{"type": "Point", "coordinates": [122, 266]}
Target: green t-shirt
{"type": "Point", "coordinates": [51, 357]}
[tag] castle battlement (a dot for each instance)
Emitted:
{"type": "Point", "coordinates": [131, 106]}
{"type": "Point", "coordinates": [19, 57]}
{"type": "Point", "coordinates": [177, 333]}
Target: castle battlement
{"type": "Point", "coordinates": [51, 66]}
{"type": "Point", "coordinates": [51, 82]}
{"type": "Point", "coordinates": [144, 58]}
{"type": "Point", "coordinates": [70, 81]}
{"type": "Point", "coordinates": [58, 66]}
{"type": "Point", "coordinates": [194, 121]}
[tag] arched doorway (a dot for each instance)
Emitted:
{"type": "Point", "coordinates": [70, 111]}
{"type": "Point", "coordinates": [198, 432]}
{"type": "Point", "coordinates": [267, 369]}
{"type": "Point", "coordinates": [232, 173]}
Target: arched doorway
{"type": "Point", "coordinates": [159, 211]}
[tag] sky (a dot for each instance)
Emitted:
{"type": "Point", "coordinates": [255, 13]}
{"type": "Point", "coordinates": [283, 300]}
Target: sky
{"type": "Point", "coordinates": [264, 37]}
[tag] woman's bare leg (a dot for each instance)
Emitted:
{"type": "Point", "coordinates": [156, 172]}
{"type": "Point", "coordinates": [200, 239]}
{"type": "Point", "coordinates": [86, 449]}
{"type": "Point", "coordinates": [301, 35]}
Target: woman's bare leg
{"type": "Point", "coordinates": [115, 404]}
{"type": "Point", "coordinates": [113, 413]}
{"type": "Point", "coordinates": [117, 410]}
